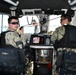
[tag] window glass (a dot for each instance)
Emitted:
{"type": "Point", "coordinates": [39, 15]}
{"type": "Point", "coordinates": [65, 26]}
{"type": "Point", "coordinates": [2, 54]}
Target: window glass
{"type": "Point", "coordinates": [54, 22]}
{"type": "Point", "coordinates": [0, 22]}
{"type": "Point", "coordinates": [26, 21]}
{"type": "Point", "coordinates": [5, 22]}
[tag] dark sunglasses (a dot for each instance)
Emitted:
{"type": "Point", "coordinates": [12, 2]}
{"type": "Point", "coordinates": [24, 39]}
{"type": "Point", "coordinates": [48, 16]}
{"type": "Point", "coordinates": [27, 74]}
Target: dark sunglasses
{"type": "Point", "coordinates": [14, 23]}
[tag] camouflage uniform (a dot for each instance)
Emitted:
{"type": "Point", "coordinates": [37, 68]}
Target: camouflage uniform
{"type": "Point", "coordinates": [58, 34]}
{"type": "Point", "coordinates": [13, 38]}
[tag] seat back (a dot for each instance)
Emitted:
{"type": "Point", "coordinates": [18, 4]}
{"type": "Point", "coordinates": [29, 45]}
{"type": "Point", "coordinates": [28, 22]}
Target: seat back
{"type": "Point", "coordinates": [11, 60]}
{"type": "Point", "coordinates": [66, 62]}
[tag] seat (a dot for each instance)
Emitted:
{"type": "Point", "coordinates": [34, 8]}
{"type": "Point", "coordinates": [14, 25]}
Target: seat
{"type": "Point", "coordinates": [66, 62]}
{"type": "Point", "coordinates": [12, 61]}
{"type": "Point", "coordinates": [66, 52]}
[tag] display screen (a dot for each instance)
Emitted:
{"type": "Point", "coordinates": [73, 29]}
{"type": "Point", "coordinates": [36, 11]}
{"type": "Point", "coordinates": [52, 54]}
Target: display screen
{"type": "Point", "coordinates": [38, 40]}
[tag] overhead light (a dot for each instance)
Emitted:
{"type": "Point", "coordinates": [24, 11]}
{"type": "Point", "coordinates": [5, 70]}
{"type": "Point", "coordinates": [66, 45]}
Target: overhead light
{"type": "Point", "coordinates": [11, 2]}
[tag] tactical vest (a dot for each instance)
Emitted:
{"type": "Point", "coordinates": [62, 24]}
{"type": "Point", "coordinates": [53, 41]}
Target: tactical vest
{"type": "Point", "coordinates": [2, 40]}
{"type": "Point", "coordinates": [69, 38]}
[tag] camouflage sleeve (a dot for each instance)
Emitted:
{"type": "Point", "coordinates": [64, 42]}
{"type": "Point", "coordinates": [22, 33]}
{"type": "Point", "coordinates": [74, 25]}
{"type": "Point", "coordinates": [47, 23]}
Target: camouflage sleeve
{"type": "Point", "coordinates": [13, 39]}
{"type": "Point", "coordinates": [58, 34]}
{"type": "Point", "coordinates": [23, 38]}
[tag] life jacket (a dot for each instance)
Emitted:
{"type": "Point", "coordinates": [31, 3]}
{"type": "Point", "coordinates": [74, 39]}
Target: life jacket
{"type": "Point", "coordinates": [69, 38]}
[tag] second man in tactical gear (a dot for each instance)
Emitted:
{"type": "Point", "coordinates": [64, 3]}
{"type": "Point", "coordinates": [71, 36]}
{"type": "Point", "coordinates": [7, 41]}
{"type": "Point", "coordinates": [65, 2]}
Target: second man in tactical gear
{"type": "Point", "coordinates": [61, 31]}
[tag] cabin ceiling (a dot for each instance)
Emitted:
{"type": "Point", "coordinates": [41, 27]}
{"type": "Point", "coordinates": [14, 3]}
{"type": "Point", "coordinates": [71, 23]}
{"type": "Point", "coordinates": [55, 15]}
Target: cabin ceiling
{"type": "Point", "coordinates": [38, 4]}
{"type": "Point", "coordinates": [43, 4]}
{"type": "Point", "coordinates": [5, 6]}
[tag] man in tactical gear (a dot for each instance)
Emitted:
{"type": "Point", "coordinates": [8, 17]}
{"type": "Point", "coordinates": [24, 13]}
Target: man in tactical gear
{"type": "Point", "coordinates": [61, 31]}
{"type": "Point", "coordinates": [11, 37]}
{"type": "Point", "coordinates": [64, 38]}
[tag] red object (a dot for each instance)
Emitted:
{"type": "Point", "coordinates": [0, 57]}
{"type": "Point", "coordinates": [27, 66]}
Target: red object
{"type": "Point", "coordinates": [49, 66]}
